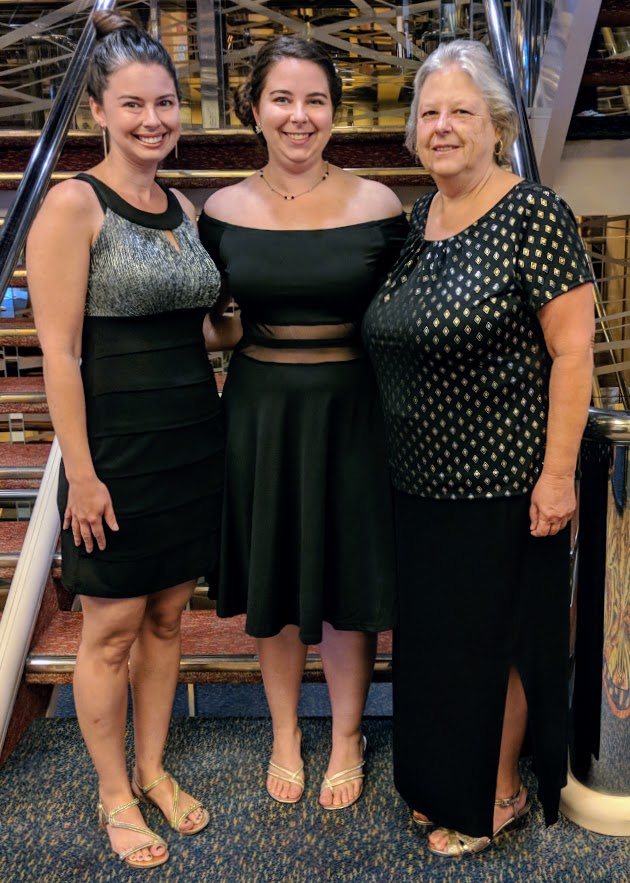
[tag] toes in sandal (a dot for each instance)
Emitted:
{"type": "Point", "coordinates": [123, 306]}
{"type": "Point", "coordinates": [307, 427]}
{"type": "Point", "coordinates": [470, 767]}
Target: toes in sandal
{"type": "Point", "coordinates": [296, 778]}
{"type": "Point", "coordinates": [177, 817]}
{"type": "Point", "coordinates": [462, 844]}
{"type": "Point", "coordinates": [342, 778]}
{"type": "Point", "coordinates": [109, 818]}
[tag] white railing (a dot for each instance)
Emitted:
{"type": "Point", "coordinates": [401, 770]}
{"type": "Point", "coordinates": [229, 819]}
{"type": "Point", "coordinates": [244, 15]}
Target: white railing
{"type": "Point", "coordinates": [27, 587]}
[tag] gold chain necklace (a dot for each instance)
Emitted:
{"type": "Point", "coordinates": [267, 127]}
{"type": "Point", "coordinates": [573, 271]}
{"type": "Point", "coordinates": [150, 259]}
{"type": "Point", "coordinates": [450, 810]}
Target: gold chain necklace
{"type": "Point", "coordinates": [297, 195]}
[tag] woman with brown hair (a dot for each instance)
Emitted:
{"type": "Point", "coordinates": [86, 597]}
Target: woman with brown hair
{"type": "Point", "coordinates": [120, 287]}
{"type": "Point", "coordinates": [307, 548]}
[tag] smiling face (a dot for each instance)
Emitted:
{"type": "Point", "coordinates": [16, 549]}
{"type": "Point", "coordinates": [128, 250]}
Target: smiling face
{"type": "Point", "coordinates": [455, 134]}
{"type": "Point", "coordinates": [141, 112]}
{"type": "Point", "coordinates": [295, 112]}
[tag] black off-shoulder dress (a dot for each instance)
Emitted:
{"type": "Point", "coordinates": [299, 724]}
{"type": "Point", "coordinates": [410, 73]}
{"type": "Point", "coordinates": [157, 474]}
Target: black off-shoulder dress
{"type": "Point", "coordinates": [307, 525]}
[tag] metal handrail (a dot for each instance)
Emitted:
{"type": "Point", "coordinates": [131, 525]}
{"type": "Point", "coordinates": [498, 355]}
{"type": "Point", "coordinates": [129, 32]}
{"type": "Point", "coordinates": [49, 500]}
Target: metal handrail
{"type": "Point", "coordinates": [44, 157]}
{"type": "Point", "coordinates": [500, 41]}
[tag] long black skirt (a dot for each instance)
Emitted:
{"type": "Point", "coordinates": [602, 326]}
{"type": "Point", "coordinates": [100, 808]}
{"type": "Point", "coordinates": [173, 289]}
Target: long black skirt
{"type": "Point", "coordinates": [307, 531]}
{"type": "Point", "coordinates": [478, 594]}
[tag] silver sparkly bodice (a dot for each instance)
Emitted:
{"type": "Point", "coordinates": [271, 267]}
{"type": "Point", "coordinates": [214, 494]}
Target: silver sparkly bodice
{"type": "Point", "coordinates": [136, 271]}
{"type": "Point", "coordinates": [459, 353]}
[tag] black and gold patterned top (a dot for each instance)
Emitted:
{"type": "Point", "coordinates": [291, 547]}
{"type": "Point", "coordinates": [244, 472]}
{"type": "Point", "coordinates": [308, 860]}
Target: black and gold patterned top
{"type": "Point", "coordinates": [459, 354]}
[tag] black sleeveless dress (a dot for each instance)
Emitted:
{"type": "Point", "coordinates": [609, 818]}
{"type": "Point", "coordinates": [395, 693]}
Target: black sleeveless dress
{"type": "Point", "coordinates": [307, 531]}
{"type": "Point", "coordinates": [154, 420]}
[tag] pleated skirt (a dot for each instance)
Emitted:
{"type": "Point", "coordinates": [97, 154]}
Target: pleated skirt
{"type": "Point", "coordinates": [477, 594]}
{"type": "Point", "coordinates": [308, 524]}
{"type": "Point", "coordinates": [156, 434]}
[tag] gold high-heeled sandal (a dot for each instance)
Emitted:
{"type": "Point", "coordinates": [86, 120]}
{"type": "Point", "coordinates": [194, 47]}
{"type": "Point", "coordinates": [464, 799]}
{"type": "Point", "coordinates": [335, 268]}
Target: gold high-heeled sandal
{"type": "Point", "coordinates": [463, 844]}
{"type": "Point", "coordinates": [109, 818]}
{"type": "Point", "coordinates": [342, 778]}
{"type": "Point", "coordinates": [176, 817]}
{"type": "Point", "coordinates": [279, 772]}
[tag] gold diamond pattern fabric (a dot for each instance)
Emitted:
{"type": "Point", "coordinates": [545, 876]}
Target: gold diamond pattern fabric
{"type": "Point", "coordinates": [459, 354]}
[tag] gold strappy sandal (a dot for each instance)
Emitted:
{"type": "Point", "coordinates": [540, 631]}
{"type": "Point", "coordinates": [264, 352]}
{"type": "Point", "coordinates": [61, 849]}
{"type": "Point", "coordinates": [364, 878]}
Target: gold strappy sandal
{"type": "Point", "coordinates": [176, 817]}
{"type": "Point", "coordinates": [462, 844]}
{"type": "Point", "coordinates": [109, 818]}
{"type": "Point", "coordinates": [342, 778]}
{"type": "Point", "coordinates": [422, 823]}
{"type": "Point", "coordinates": [279, 772]}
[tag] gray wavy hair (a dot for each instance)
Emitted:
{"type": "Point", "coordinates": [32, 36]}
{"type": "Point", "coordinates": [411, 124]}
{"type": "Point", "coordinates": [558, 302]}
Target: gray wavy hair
{"type": "Point", "coordinates": [474, 59]}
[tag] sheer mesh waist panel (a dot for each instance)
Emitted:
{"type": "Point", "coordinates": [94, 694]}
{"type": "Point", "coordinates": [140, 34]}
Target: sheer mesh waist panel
{"type": "Point", "coordinates": [301, 343]}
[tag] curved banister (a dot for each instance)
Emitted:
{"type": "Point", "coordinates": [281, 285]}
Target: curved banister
{"type": "Point", "coordinates": [24, 600]}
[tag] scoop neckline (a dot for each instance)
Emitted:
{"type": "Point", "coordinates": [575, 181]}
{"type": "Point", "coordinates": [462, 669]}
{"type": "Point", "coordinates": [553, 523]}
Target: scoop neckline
{"type": "Point", "coordinates": [399, 217]}
{"type": "Point", "coordinates": [472, 224]}
{"type": "Point", "coordinates": [167, 219]}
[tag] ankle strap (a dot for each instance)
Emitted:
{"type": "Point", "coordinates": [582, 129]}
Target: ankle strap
{"type": "Point", "coordinates": [509, 801]}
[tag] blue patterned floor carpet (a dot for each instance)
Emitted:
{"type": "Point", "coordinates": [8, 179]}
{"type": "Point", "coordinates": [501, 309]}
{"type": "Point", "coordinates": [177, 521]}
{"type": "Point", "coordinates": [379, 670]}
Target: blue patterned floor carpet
{"type": "Point", "coordinates": [49, 834]}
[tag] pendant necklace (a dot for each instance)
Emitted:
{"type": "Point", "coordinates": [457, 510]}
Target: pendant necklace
{"type": "Point", "coordinates": [297, 195]}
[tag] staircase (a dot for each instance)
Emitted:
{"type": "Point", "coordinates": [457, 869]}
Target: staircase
{"type": "Point", "coordinates": [213, 650]}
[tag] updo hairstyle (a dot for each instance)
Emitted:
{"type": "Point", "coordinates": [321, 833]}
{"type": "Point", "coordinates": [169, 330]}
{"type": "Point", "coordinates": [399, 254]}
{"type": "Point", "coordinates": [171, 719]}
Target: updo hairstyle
{"type": "Point", "coordinates": [247, 96]}
{"type": "Point", "coordinates": [120, 42]}
{"type": "Point", "coordinates": [472, 58]}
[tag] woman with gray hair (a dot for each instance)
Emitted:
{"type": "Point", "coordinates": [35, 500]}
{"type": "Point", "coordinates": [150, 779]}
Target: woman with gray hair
{"type": "Point", "coordinates": [482, 342]}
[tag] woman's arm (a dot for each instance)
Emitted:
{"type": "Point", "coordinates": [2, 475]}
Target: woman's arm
{"type": "Point", "coordinates": [58, 259]}
{"type": "Point", "coordinates": [568, 325]}
{"type": "Point", "coordinates": [221, 331]}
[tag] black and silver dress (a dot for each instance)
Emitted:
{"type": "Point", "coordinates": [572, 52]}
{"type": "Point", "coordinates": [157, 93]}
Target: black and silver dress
{"type": "Point", "coordinates": [307, 526]}
{"type": "Point", "coordinates": [154, 419]}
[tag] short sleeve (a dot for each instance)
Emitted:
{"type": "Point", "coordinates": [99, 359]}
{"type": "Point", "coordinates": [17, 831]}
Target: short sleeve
{"type": "Point", "coordinates": [211, 233]}
{"type": "Point", "coordinates": [418, 217]}
{"type": "Point", "coordinates": [551, 258]}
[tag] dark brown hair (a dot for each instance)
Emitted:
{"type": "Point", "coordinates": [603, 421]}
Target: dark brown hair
{"type": "Point", "coordinates": [120, 41]}
{"type": "Point", "coordinates": [247, 95]}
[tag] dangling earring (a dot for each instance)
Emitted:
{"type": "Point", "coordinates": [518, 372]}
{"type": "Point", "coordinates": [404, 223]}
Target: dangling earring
{"type": "Point", "coordinates": [104, 134]}
{"type": "Point", "coordinates": [498, 148]}
{"type": "Point", "coordinates": [176, 153]}
{"type": "Point", "coordinates": [257, 129]}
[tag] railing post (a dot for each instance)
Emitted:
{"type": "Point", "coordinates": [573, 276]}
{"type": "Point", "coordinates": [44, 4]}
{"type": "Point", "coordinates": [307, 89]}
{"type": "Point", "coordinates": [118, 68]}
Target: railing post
{"type": "Point", "coordinates": [597, 796]}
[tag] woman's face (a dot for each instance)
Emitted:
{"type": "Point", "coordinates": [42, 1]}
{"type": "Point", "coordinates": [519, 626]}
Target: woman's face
{"type": "Point", "coordinates": [140, 109]}
{"type": "Point", "coordinates": [455, 136]}
{"type": "Point", "coordinates": [295, 111]}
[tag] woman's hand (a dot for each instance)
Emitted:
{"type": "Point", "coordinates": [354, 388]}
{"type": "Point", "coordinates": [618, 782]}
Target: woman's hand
{"type": "Point", "coordinates": [89, 503]}
{"type": "Point", "coordinates": [553, 504]}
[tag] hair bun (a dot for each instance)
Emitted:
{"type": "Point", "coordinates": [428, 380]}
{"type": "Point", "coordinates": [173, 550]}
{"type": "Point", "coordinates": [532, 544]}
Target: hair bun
{"type": "Point", "coordinates": [242, 103]}
{"type": "Point", "coordinates": [106, 23]}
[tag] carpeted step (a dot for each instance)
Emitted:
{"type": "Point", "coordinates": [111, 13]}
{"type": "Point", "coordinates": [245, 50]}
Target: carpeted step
{"type": "Point", "coordinates": [18, 332]}
{"type": "Point", "coordinates": [12, 535]}
{"type": "Point", "coordinates": [213, 650]}
{"type": "Point", "coordinates": [22, 465]}
{"type": "Point", "coordinates": [25, 395]}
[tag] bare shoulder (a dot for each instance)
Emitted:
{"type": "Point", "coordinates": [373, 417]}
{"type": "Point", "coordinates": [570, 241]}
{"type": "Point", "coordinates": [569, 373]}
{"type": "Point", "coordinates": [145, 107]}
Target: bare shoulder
{"type": "Point", "coordinates": [72, 197]}
{"type": "Point", "coordinates": [229, 203]}
{"type": "Point", "coordinates": [186, 204]}
{"type": "Point", "coordinates": [371, 200]}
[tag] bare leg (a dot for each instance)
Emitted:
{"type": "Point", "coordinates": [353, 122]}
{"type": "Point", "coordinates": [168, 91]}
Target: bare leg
{"type": "Point", "coordinates": [153, 673]}
{"type": "Point", "coordinates": [100, 692]}
{"type": "Point", "coordinates": [282, 660]}
{"type": "Point", "coordinates": [348, 660]}
{"type": "Point", "coordinates": [508, 776]}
